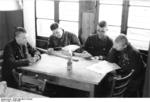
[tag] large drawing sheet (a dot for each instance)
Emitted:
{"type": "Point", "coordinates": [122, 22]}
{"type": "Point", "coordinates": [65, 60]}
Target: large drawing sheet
{"type": "Point", "coordinates": [103, 67]}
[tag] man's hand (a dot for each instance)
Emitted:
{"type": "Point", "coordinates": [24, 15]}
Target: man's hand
{"type": "Point", "coordinates": [86, 54]}
{"type": "Point", "coordinates": [98, 57]}
{"type": "Point", "coordinates": [37, 57]}
{"type": "Point", "coordinates": [34, 59]}
{"type": "Point", "coordinates": [50, 51]}
{"type": "Point", "coordinates": [31, 60]}
{"type": "Point", "coordinates": [101, 57]}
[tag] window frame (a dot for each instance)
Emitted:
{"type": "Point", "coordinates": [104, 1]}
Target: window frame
{"type": "Point", "coordinates": [56, 17]}
{"type": "Point", "coordinates": [139, 28]}
{"type": "Point", "coordinates": [125, 16]}
{"type": "Point", "coordinates": [113, 4]}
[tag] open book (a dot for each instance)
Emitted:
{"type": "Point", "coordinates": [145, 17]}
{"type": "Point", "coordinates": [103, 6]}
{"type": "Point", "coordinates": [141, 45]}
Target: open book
{"type": "Point", "coordinates": [103, 67]}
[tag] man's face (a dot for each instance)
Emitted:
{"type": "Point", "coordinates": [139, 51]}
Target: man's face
{"type": "Point", "coordinates": [101, 30]}
{"type": "Point", "coordinates": [58, 32]}
{"type": "Point", "coordinates": [21, 39]}
{"type": "Point", "coordinates": [119, 46]}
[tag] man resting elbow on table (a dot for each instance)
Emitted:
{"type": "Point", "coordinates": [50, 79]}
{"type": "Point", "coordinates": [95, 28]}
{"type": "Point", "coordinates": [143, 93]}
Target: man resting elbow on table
{"type": "Point", "coordinates": [17, 52]}
{"type": "Point", "coordinates": [60, 38]}
{"type": "Point", "coordinates": [128, 58]}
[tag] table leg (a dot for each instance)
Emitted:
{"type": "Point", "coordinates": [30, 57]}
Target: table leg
{"type": "Point", "coordinates": [91, 93]}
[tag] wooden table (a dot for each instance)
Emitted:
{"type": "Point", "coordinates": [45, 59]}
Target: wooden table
{"type": "Point", "coordinates": [54, 69]}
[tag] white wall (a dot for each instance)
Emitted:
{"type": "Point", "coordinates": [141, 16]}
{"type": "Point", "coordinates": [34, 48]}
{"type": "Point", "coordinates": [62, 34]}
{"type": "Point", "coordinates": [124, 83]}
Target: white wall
{"type": "Point", "coordinates": [29, 20]}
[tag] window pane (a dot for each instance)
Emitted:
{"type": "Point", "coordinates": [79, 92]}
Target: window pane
{"type": "Point", "coordinates": [70, 0]}
{"type": "Point", "coordinates": [140, 2]}
{"type": "Point", "coordinates": [69, 11]}
{"type": "Point", "coordinates": [139, 38]}
{"type": "Point", "coordinates": [111, 1]}
{"type": "Point", "coordinates": [139, 17]}
{"type": "Point", "coordinates": [105, 13]}
{"type": "Point", "coordinates": [113, 32]}
{"type": "Point", "coordinates": [43, 27]}
{"type": "Point", "coordinates": [45, 9]}
{"type": "Point", "coordinates": [70, 26]}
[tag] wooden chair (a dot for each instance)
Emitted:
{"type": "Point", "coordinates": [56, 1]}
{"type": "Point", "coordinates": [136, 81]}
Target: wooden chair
{"type": "Point", "coordinates": [142, 81]}
{"type": "Point", "coordinates": [120, 84]}
{"type": "Point", "coordinates": [30, 83]}
{"type": "Point", "coordinates": [1, 61]}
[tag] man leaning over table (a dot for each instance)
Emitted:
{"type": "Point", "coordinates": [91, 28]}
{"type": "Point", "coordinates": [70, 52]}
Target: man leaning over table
{"type": "Point", "coordinates": [17, 52]}
{"type": "Point", "coordinates": [128, 58]}
{"type": "Point", "coordinates": [61, 38]}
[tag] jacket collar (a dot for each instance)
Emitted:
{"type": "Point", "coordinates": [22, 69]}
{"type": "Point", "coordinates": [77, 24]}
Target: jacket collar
{"type": "Point", "coordinates": [16, 44]}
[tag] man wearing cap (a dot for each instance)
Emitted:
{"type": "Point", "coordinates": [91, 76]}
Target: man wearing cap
{"type": "Point", "coordinates": [61, 38]}
{"type": "Point", "coordinates": [99, 44]}
{"type": "Point", "coordinates": [17, 52]}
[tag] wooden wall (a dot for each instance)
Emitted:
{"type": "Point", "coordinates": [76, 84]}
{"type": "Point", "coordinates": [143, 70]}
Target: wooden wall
{"type": "Point", "coordinates": [88, 18]}
{"type": "Point", "coordinates": [8, 21]}
{"type": "Point", "coordinates": [3, 30]}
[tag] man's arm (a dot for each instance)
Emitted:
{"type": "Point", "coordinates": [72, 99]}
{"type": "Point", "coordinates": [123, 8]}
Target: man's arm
{"type": "Point", "coordinates": [50, 43]}
{"type": "Point", "coordinates": [75, 40]}
{"type": "Point", "coordinates": [34, 52]}
{"type": "Point", "coordinates": [88, 45]}
{"type": "Point", "coordinates": [111, 57]}
{"type": "Point", "coordinates": [108, 47]}
{"type": "Point", "coordinates": [10, 58]}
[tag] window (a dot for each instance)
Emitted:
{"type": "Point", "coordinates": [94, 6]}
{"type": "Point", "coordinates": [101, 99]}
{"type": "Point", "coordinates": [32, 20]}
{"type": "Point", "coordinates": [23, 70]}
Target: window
{"type": "Point", "coordinates": [43, 27]}
{"type": "Point", "coordinates": [70, 26]}
{"type": "Point", "coordinates": [138, 22]}
{"type": "Point", "coordinates": [115, 2]}
{"type": "Point", "coordinates": [45, 9]}
{"type": "Point", "coordinates": [69, 15]}
{"type": "Point", "coordinates": [111, 12]}
{"type": "Point", "coordinates": [44, 17]}
{"type": "Point", "coordinates": [138, 30]}
{"type": "Point", "coordinates": [69, 11]}
{"type": "Point", "coordinates": [66, 12]}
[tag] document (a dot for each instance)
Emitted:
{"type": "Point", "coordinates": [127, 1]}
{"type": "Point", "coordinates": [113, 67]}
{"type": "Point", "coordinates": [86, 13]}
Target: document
{"type": "Point", "coordinates": [103, 67]}
{"type": "Point", "coordinates": [70, 48]}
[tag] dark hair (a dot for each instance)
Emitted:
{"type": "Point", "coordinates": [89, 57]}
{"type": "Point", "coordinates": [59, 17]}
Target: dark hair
{"type": "Point", "coordinates": [102, 24]}
{"type": "Point", "coordinates": [122, 38]}
{"type": "Point", "coordinates": [19, 30]}
{"type": "Point", "coordinates": [54, 26]}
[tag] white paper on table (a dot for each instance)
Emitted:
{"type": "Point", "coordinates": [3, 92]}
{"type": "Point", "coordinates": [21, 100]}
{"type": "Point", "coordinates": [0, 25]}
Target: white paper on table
{"type": "Point", "coordinates": [70, 47]}
{"type": "Point", "coordinates": [103, 67]}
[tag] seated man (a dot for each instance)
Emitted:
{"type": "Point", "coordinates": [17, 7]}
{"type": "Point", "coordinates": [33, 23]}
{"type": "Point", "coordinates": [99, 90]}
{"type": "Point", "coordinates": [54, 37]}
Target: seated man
{"type": "Point", "coordinates": [127, 58]}
{"type": "Point", "coordinates": [17, 53]}
{"type": "Point", "coordinates": [99, 44]}
{"type": "Point", "coordinates": [61, 38]}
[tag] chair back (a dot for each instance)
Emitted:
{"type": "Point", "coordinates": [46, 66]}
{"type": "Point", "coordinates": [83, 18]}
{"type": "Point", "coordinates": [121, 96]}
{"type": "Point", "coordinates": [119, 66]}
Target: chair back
{"type": "Point", "coordinates": [1, 61]}
{"type": "Point", "coordinates": [30, 83]}
{"type": "Point", "coordinates": [120, 84]}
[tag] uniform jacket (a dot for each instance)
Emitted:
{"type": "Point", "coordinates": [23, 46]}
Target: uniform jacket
{"type": "Point", "coordinates": [96, 46]}
{"type": "Point", "coordinates": [15, 56]}
{"type": "Point", "coordinates": [66, 39]}
{"type": "Point", "coordinates": [127, 59]}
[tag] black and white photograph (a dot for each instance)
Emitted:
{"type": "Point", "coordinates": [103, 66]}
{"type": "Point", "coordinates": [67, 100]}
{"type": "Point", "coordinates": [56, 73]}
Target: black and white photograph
{"type": "Point", "coordinates": [74, 50]}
